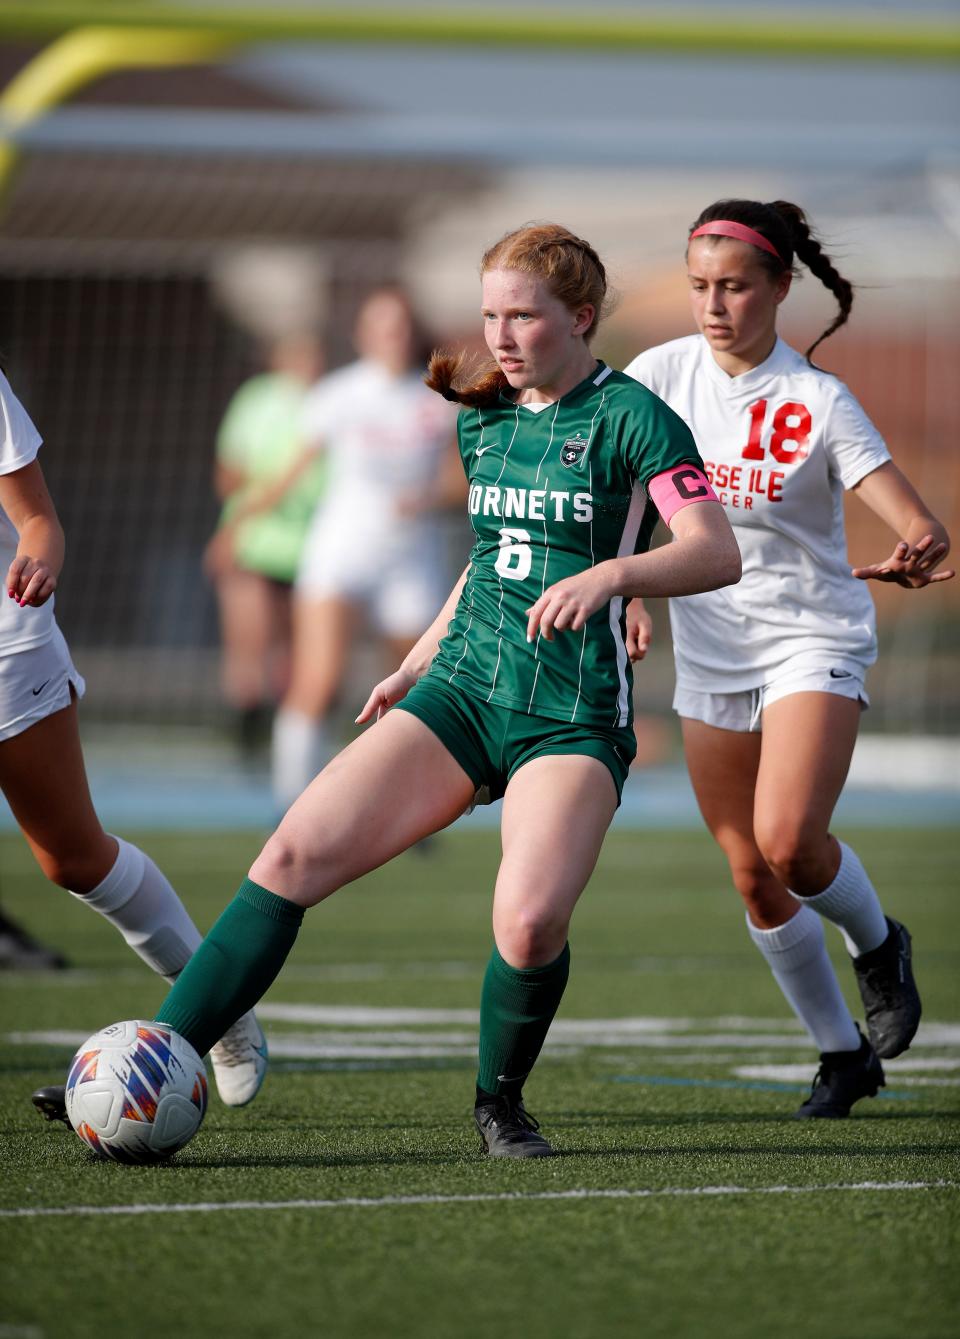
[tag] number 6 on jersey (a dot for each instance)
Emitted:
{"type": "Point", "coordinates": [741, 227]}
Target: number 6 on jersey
{"type": "Point", "coordinates": [515, 557]}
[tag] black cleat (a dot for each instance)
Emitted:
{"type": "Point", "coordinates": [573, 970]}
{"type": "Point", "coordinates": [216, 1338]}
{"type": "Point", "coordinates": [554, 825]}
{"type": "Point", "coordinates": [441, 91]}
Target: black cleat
{"type": "Point", "coordinates": [891, 1001]}
{"type": "Point", "coordinates": [842, 1079]}
{"type": "Point", "coordinates": [508, 1131]}
{"type": "Point", "coordinates": [52, 1103]}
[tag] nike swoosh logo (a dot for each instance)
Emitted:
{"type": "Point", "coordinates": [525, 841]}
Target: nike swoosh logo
{"type": "Point", "coordinates": [840, 674]}
{"type": "Point", "coordinates": [39, 690]}
{"type": "Point", "coordinates": [482, 449]}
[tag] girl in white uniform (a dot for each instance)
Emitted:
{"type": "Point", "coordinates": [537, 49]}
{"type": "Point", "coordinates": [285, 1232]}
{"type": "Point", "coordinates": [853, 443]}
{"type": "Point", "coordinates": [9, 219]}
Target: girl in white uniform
{"type": "Point", "coordinates": [42, 773]}
{"type": "Point", "coordinates": [770, 672]}
{"type": "Point", "coordinates": [375, 547]}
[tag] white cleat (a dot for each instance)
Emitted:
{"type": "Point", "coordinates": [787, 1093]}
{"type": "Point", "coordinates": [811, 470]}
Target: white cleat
{"type": "Point", "coordinates": [239, 1061]}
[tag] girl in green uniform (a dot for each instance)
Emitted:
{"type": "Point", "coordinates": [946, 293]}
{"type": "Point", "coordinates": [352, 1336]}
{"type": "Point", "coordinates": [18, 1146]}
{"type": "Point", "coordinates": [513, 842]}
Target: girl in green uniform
{"type": "Point", "coordinates": [520, 687]}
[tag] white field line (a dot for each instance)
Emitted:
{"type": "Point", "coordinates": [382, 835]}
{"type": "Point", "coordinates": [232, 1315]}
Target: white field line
{"type": "Point", "coordinates": [354, 1016]}
{"type": "Point", "coordinates": [930, 1034]}
{"type": "Point", "coordinates": [507, 1197]}
{"type": "Point", "coordinates": [320, 1045]}
{"type": "Point", "coordinates": [342, 1033]}
{"type": "Point", "coordinates": [359, 1050]}
{"type": "Point", "coordinates": [313, 1047]}
{"type": "Point", "coordinates": [403, 1046]}
{"type": "Point", "coordinates": [801, 1073]}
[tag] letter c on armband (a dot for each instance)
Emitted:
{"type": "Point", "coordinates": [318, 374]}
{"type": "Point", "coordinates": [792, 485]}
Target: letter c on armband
{"type": "Point", "coordinates": [680, 478]}
{"type": "Point", "coordinates": [674, 489]}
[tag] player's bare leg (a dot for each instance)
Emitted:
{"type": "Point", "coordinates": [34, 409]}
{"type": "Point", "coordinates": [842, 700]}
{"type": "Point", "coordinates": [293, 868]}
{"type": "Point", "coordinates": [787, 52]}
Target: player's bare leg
{"type": "Point", "coordinates": [43, 777]}
{"type": "Point", "coordinates": [724, 768]}
{"type": "Point", "coordinates": [556, 812]}
{"type": "Point", "coordinates": [393, 785]}
{"type": "Point", "coordinates": [808, 744]}
{"type": "Point", "coordinates": [249, 636]}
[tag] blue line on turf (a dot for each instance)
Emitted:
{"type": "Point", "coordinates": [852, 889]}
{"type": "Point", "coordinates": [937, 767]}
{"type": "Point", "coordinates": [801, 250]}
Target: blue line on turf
{"type": "Point", "coordinates": [669, 1081]}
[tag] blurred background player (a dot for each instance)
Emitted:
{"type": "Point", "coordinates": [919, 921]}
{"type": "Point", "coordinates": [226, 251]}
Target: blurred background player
{"type": "Point", "coordinates": [376, 549]}
{"type": "Point", "coordinates": [770, 673]}
{"type": "Point", "coordinates": [521, 684]}
{"type": "Point", "coordinates": [21, 951]}
{"type": "Point", "coordinates": [42, 773]}
{"type": "Point", "coordinates": [253, 556]}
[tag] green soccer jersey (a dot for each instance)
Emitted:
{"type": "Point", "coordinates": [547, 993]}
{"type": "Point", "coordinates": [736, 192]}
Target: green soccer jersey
{"type": "Point", "coordinates": [552, 493]}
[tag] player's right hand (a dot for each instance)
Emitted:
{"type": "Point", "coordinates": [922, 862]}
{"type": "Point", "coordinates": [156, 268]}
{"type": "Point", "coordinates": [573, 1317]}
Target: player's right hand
{"type": "Point", "coordinates": [387, 692]}
{"type": "Point", "coordinates": [30, 582]}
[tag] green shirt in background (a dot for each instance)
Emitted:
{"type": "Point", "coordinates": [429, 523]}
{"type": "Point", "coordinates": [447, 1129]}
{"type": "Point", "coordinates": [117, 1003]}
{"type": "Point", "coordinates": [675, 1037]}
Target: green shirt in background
{"type": "Point", "coordinates": [552, 493]}
{"type": "Point", "coordinates": [261, 436]}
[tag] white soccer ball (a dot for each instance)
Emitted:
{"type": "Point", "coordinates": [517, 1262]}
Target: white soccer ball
{"type": "Point", "coordinates": [136, 1091]}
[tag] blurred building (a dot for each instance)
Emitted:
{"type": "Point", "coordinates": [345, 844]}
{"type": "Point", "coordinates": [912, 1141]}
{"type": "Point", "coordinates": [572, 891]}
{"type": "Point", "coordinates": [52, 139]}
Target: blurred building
{"type": "Point", "coordinates": [165, 219]}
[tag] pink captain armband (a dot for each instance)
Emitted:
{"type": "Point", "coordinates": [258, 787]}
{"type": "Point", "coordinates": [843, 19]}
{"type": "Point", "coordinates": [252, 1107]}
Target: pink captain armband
{"type": "Point", "coordinates": [677, 488]}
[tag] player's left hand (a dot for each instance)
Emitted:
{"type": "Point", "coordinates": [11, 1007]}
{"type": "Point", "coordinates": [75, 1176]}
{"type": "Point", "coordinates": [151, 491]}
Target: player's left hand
{"type": "Point", "coordinates": [908, 566]}
{"type": "Point", "coordinates": [388, 691]}
{"type": "Point", "coordinates": [30, 582]}
{"type": "Point", "coordinates": [566, 605]}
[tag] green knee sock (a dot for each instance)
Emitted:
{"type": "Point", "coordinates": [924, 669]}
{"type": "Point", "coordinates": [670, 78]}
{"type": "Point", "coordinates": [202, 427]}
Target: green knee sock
{"type": "Point", "coordinates": [233, 967]}
{"type": "Point", "coordinates": [517, 1006]}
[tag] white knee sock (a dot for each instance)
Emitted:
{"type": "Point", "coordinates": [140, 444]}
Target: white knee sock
{"type": "Point", "coordinates": [141, 903]}
{"type": "Point", "coordinates": [797, 956]}
{"type": "Point", "coordinates": [851, 903]}
{"type": "Point", "coordinates": [300, 749]}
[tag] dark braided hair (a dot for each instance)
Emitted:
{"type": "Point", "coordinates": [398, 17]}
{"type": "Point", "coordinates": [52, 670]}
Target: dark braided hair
{"type": "Point", "coordinates": [572, 271]}
{"type": "Point", "coordinates": [785, 226]}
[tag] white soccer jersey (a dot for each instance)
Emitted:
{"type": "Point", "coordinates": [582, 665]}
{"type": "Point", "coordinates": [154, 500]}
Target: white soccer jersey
{"type": "Point", "coordinates": [780, 444]}
{"type": "Point", "coordinates": [19, 444]}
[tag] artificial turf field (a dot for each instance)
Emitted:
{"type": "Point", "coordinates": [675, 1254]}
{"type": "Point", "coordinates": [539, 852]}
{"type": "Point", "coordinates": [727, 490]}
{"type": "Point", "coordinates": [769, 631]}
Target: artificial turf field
{"type": "Point", "coordinates": [351, 1199]}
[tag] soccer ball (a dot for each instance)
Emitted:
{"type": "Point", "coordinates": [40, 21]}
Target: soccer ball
{"type": "Point", "coordinates": [136, 1091]}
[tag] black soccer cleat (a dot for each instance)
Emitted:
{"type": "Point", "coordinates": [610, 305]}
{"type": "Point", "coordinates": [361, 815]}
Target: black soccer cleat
{"type": "Point", "coordinates": [842, 1079]}
{"type": "Point", "coordinates": [891, 1001]}
{"type": "Point", "coordinates": [51, 1102]}
{"type": "Point", "coordinates": [509, 1131]}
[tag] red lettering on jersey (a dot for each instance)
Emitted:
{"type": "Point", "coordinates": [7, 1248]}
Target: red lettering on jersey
{"type": "Point", "coordinates": [791, 423]}
{"type": "Point", "coordinates": [753, 450]}
{"type": "Point", "coordinates": [775, 485]}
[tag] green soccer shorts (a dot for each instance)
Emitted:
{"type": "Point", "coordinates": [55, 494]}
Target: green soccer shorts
{"type": "Point", "coordinates": [491, 742]}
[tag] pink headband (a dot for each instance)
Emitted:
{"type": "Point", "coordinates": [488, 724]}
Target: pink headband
{"type": "Point", "coordinates": [740, 231]}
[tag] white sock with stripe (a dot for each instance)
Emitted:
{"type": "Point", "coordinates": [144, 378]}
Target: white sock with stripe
{"type": "Point", "coordinates": [140, 901]}
{"type": "Point", "coordinates": [797, 956]}
{"type": "Point", "coordinates": [851, 903]}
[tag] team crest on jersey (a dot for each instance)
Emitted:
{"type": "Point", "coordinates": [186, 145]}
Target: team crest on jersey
{"type": "Point", "coordinates": [571, 453]}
